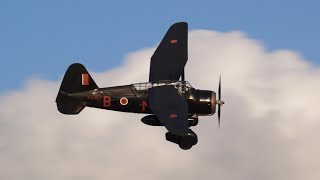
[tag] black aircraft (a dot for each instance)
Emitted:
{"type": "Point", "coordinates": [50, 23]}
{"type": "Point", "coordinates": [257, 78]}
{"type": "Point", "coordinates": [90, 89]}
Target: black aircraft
{"type": "Point", "coordinates": [170, 101]}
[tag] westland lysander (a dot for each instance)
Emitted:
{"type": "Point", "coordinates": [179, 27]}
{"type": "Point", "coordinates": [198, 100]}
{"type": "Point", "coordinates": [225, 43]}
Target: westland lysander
{"type": "Point", "coordinates": [167, 98]}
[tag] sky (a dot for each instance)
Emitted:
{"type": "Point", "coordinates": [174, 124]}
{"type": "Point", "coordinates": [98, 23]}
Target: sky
{"type": "Point", "coordinates": [41, 38]}
{"type": "Point", "coordinates": [265, 51]}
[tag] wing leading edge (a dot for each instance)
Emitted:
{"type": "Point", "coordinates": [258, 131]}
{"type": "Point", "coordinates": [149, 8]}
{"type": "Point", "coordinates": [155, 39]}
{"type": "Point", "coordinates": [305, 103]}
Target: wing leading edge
{"type": "Point", "coordinates": [169, 59]}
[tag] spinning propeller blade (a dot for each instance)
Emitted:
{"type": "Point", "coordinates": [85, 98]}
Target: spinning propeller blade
{"type": "Point", "coordinates": [219, 102]}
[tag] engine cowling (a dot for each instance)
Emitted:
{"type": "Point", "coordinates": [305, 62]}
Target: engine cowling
{"type": "Point", "coordinates": [202, 102]}
{"type": "Point", "coordinates": [151, 120]}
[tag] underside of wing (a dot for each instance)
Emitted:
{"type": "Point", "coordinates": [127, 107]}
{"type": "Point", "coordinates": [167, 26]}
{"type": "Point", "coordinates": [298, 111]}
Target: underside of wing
{"type": "Point", "coordinates": [168, 61]}
{"type": "Point", "coordinates": [170, 108]}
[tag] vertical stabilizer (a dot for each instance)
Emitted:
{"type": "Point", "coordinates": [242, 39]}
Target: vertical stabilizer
{"type": "Point", "coordinates": [76, 79]}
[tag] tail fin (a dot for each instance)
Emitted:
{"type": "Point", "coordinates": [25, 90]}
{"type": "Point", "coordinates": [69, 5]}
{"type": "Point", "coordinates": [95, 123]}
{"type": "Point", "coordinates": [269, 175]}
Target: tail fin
{"type": "Point", "coordinates": [76, 79]}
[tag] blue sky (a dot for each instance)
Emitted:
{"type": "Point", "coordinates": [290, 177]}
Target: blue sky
{"type": "Point", "coordinates": [41, 38]}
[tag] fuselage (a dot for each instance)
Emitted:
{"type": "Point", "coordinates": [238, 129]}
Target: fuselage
{"type": "Point", "coordinates": [134, 98]}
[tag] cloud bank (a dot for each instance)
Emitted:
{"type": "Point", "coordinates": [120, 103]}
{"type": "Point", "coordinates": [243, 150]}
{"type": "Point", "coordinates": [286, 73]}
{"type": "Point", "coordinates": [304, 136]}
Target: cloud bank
{"type": "Point", "coordinates": [270, 122]}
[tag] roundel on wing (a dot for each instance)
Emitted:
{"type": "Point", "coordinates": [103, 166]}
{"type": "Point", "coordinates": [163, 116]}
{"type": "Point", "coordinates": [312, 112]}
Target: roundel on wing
{"type": "Point", "coordinates": [124, 101]}
{"type": "Point", "coordinates": [173, 41]}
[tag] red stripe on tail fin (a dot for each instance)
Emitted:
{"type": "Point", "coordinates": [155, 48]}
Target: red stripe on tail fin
{"type": "Point", "coordinates": [85, 79]}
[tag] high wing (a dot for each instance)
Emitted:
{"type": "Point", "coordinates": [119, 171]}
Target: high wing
{"type": "Point", "coordinates": [170, 108]}
{"type": "Point", "coordinates": [168, 61]}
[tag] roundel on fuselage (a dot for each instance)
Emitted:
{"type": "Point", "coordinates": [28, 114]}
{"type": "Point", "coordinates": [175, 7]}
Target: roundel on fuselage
{"type": "Point", "coordinates": [124, 101]}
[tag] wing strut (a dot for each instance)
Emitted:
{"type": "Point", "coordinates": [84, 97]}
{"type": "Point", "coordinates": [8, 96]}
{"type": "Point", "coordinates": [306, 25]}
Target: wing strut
{"type": "Point", "coordinates": [182, 76]}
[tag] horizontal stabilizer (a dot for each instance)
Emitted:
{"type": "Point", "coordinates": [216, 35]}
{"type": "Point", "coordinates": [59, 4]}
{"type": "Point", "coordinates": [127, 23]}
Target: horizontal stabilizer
{"type": "Point", "coordinates": [69, 105]}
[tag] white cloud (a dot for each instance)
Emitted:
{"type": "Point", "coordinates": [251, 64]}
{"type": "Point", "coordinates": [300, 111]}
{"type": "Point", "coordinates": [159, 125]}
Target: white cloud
{"type": "Point", "coordinates": [270, 122]}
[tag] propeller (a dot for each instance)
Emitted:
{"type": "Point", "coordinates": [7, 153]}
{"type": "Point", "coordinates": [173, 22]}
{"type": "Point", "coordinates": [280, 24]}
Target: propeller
{"type": "Point", "coordinates": [219, 101]}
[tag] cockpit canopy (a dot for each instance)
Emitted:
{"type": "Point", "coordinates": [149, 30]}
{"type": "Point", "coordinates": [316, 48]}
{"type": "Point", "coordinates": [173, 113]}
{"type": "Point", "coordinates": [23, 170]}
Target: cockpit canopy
{"type": "Point", "coordinates": [141, 88]}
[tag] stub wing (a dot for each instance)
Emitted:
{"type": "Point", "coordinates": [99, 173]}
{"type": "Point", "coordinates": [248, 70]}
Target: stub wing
{"type": "Point", "coordinates": [168, 61]}
{"type": "Point", "coordinates": [170, 108]}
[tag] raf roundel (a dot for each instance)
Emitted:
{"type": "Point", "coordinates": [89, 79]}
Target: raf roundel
{"type": "Point", "coordinates": [173, 41]}
{"type": "Point", "coordinates": [123, 101]}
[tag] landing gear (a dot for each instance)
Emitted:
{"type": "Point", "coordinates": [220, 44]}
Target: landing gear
{"type": "Point", "coordinates": [184, 142]}
{"type": "Point", "coordinates": [193, 120]}
{"type": "Point", "coordinates": [185, 146]}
